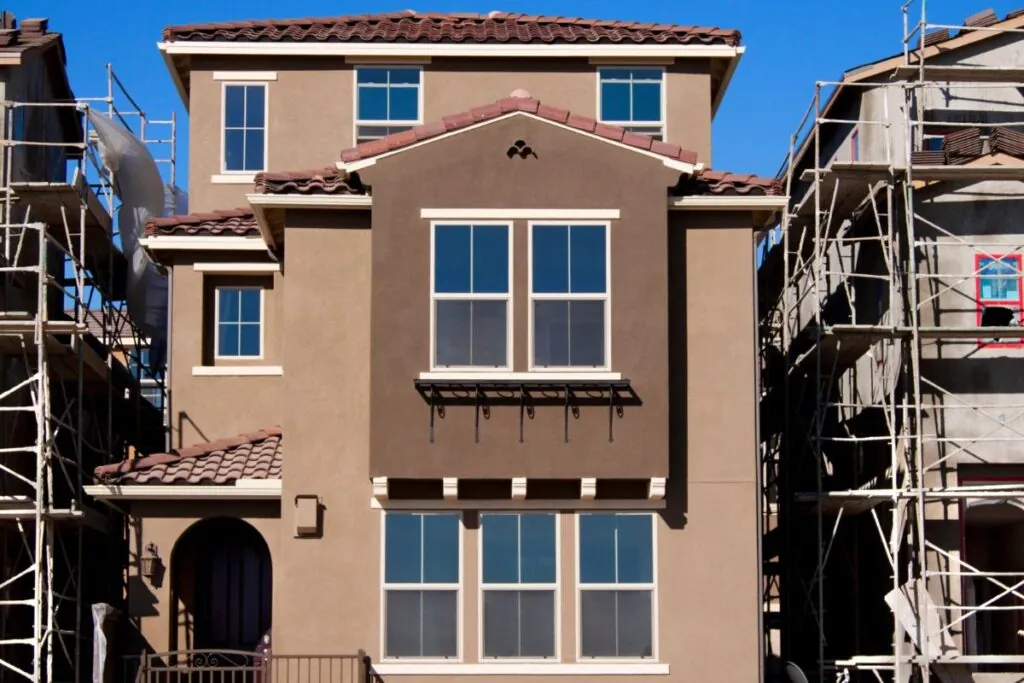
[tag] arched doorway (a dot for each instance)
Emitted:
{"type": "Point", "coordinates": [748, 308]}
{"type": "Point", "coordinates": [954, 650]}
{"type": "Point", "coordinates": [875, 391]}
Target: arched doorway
{"type": "Point", "coordinates": [220, 587]}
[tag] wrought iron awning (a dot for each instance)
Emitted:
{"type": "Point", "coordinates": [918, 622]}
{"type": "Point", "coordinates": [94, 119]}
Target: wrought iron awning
{"type": "Point", "coordinates": [570, 395]}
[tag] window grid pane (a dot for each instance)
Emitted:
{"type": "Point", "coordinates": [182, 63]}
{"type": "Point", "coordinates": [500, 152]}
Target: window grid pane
{"type": "Point", "coordinates": [239, 322]}
{"type": "Point", "coordinates": [519, 577]}
{"type": "Point", "coordinates": [244, 127]}
{"type": "Point", "coordinates": [386, 95]}
{"type": "Point", "coordinates": [421, 549]}
{"type": "Point", "coordinates": [470, 292]}
{"type": "Point", "coordinates": [632, 96]}
{"type": "Point", "coordinates": [569, 292]}
{"type": "Point", "coordinates": [999, 279]}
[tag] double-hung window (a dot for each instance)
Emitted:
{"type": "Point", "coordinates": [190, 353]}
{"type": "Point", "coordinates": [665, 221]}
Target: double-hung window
{"type": "Point", "coordinates": [387, 100]}
{"type": "Point", "coordinates": [245, 128]}
{"type": "Point", "coordinates": [616, 585]}
{"type": "Point", "coordinates": [422, 562]}
{"type": "Point", "coordinates": [141, 370]}
{"type": "Point", "coordinates": [632, 98]}
{"type": "Point", "coordinates": [470, 296]}
{"type": "Point", "coordinates": [569, 278]}
{"type": "Point", "coordinates": [999, 287]}
{"type": "Point", "coordinates": [519, 576]}
{"type": "Point", "coordinates": [239, 315]}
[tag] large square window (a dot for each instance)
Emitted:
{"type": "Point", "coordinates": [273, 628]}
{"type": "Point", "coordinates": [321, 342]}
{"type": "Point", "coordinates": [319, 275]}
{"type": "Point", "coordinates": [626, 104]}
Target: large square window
{"type": "Point", "coordinates": [632, 98]}
{"type": "Point", "coordinates": [239, 322]}
{"type": "Point", "coordinates": [520, 573]}
{"type": "Point", "coordinates": [616, 584]}
{"type": "Point", "coordinates": [421, 585]}
{"type": "Point", "coordinates": [569, 296]}
{"type": "Point", "coordinates": [387, 100]}
{"type": "Point", "coordinates": [245, 128]}
{"type": "Point", "coordinates": [470, 296]}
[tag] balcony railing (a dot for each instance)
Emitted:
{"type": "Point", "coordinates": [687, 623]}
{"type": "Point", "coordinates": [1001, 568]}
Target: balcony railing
{"type": "Point", "coordinates": [230, 666]}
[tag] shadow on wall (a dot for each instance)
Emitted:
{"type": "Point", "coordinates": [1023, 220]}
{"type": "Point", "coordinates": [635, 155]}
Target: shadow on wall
{"type": "Point", "coordinates": [676, 496]}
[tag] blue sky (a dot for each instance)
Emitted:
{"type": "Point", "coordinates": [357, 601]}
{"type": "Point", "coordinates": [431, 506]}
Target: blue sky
{"type": "Point", "coordinates": [790, 45]}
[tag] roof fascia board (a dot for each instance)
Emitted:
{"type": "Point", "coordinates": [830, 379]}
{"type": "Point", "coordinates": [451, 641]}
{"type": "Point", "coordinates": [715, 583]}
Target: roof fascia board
{"type": "Point", "coordinates": [203, 243]}
{"type": "Point", "coordinates": [727, 202]}
{"type": "Point", "coordinates": [179, 85]}
{"type": "Point", "coordinates": [184, 492]}
{"type": "Point", "coordinates": [730, 71]}
{"type": "Point", "coordinates": [300, 201]}
{"type": "Point", "coordinates": [302, 49]}
{"type": "Point", "coordinates": [674, 164]}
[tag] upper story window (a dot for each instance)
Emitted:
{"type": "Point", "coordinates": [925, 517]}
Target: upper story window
{"type": "Point", "coordinates": [140, 365]}
{"type": "Point", "coordinates": [239, 315]}
{"type": "Point", "coordinates": [616, 584]}
{"type": "Point", "coordinates": [999, 293]}
{"type": "Point", "coordinates": [633, 98]}
{"type": "Point", "coordinates": [245, 128]}
{"type": "Point", "coordinates": [470, 296]}
{"type": "Point", "coordinates": [569, 285]}
{"type": "Point", "coordinates": [520, 574]}
{"type": "Point", "coordinates": [422, 561]}
{"type": "Point", "coordinates": [387, 100]}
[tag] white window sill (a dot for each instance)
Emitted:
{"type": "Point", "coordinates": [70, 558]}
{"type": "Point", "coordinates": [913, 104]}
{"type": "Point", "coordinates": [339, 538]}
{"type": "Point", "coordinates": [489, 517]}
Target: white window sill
{"type": "Point", "coordinates": [522, 669]}
{"type": "Point", "coordinates": [237, 370]}
{"type": "Point", "coordinates": [536, 376]}
{"type": "Point", "coordinates": [233, 178]}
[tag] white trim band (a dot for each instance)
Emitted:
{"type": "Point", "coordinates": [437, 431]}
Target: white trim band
{"type": "Point", "coordinates": [270, 490]}
{"type": "Point", "coordinates": [460, 376]}
{"type": "Point", "coordinates": [237, 371]}
{"type": "Point", "coordinates": [233, 178]}
{"type": "Point", "coordinates": [236, 268]}
{"type": "Point", "coordinates": [203, 243]}
{"type": "Point", "coordinates": [521, 214]}
{"type": "Point", "coordinates": [245, 75]}
{"type": "Point", "coordinates": [302, 49]}
{"type": "Point", "coordinates": [319, 201]}
{"type": "Point", "coordinates": [727, 202]}
{"type": "Point", "coordinates": [380, 503]}
{"type": "Point", "coordinates": [523, 669]}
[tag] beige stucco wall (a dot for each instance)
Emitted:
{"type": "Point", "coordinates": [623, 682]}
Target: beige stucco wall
{"type": "Point", "coordinates": [208, 408]}
{"type": "Point", "coordinates": [311, 102]}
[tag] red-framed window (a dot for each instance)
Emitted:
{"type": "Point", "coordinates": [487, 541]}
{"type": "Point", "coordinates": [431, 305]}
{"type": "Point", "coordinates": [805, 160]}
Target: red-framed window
{"type": "Point", "coordinates": [999, 285]}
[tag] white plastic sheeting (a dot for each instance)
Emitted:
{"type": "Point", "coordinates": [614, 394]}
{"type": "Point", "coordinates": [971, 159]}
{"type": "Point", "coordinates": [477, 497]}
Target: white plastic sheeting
{"type": "Point", "coordinates": [143, 196]}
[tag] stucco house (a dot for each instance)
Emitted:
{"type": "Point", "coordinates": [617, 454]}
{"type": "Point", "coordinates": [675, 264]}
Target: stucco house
{"type": "Point", "coordinates": [476, 395]}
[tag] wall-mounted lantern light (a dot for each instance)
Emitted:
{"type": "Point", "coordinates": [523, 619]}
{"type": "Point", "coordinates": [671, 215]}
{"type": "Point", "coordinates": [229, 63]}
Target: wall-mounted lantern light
{"type": "Point", "coordinates": [149, 563]}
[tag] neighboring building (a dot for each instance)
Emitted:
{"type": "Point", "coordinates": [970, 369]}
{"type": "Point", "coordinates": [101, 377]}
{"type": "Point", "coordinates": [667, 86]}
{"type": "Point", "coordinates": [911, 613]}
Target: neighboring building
{"type": "Point", "coordinates": [895, 332]}
{"type": "Point", "coordinates": [492, 368]}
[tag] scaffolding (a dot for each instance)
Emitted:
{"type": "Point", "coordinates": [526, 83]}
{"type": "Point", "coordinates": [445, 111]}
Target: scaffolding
{"type": "Point", "coordinates": [70, 393]}
{"type": "Point", "coordinates": [875, 442]}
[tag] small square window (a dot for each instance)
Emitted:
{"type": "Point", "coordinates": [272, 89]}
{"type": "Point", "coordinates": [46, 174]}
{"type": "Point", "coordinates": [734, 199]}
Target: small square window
{"type": "Point", "coordinates": [616, 584]}
{"type": "Point", "coordinates": [245, 129]}
{"type": "Point", "coordinates": [422, 564]}
{"type": "Point", "coordinates": [569, 296]}
{"type": "Point", "coordinates": [470, 296]}
{"type": "Point", "coordinates": [387, 101]}
{"type": "Point", "coordinates": [632, 98]}
{"type": "Point", "coordinates": [239, 322]}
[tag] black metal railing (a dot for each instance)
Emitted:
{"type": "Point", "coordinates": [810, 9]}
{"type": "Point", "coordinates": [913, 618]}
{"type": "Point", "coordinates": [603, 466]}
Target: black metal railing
{"type": "Point", "coordinates": [236, 666]}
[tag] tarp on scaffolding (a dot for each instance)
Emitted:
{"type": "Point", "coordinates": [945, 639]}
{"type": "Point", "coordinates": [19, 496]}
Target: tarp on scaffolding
{"type": "Point", "coordinates": [137, 182]}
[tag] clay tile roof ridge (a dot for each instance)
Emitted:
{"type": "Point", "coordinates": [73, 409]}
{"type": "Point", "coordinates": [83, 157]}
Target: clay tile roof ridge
{"type": "Point", "coordinates": [239, 221]}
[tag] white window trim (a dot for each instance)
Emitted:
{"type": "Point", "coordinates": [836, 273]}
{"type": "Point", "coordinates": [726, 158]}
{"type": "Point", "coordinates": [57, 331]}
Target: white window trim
{"type": "Point", "coordinates": [237, 371]}
{"type": "Point", "coordinates": [556, 587]}
{"type": "Point", "coordinates": [249, 173]}
{"type": "Point", "coordinates": [422, 661]}
{"type": "Point", "coordinates": [653, 587]}
{"type": "Point", "coordinates": [249, 76]}
{"type": "Point", "coordinates": [627, 124]}
{"type": "Point", "coordinates": [606, 297]}
{"type": "Point", "coordinates": [472, 370]}
{"type": "Point", "coordinates": [356, 122]}
{"type": "Point", "coordinates": [216, 322]}
{"type": "Point", "coordinates": [508, 668]}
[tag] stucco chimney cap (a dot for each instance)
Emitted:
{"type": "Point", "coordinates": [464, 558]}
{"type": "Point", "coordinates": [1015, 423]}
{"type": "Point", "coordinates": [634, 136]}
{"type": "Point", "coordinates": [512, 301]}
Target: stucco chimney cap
{"type": "Point", "coordinates": [494, 13]}
{"type": "Point", "coordinates": [520, 93]}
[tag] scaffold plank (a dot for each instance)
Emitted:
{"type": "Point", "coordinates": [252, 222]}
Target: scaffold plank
{"type": "Point", "coordinates": [952, 73]}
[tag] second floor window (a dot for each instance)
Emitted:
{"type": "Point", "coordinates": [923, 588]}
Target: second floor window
{"type": "Point", "coordinates": [520, 574]}
{"type": "Point", "coordinates": [470, 296]}
{"type": "Point", "coordinates": [999, 290]}
{"type": "Point", "coordinates": [239, 322]}
{"type": "Point", "coordinates": [632, 98]}
{"type": "Point", "coordinates": [422, 564]}
{"type": "Point", "coordinates": [387, 101]}
{"type": "Point", "coordinates": [569, 296]}
{"type": "Point", "coordinates": [245, 128]}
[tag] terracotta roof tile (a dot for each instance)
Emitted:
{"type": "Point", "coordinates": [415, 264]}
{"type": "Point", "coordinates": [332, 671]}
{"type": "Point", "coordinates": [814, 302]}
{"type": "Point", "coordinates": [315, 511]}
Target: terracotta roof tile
{"type": "Point", "coordinates": [506, 106]}
{"type": "Point", "coordinates": [234, 222]}
{"type": "Point", "coordinates": [434, 27]}
{"type": "Point", "coordinates": [258, 455]}
{"type": "Point", "coordinates": [330, 180]}
{"type": "Point", "coordinates": [968, 144]}
{"type": "Point", "coordinates": [725, 183]}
